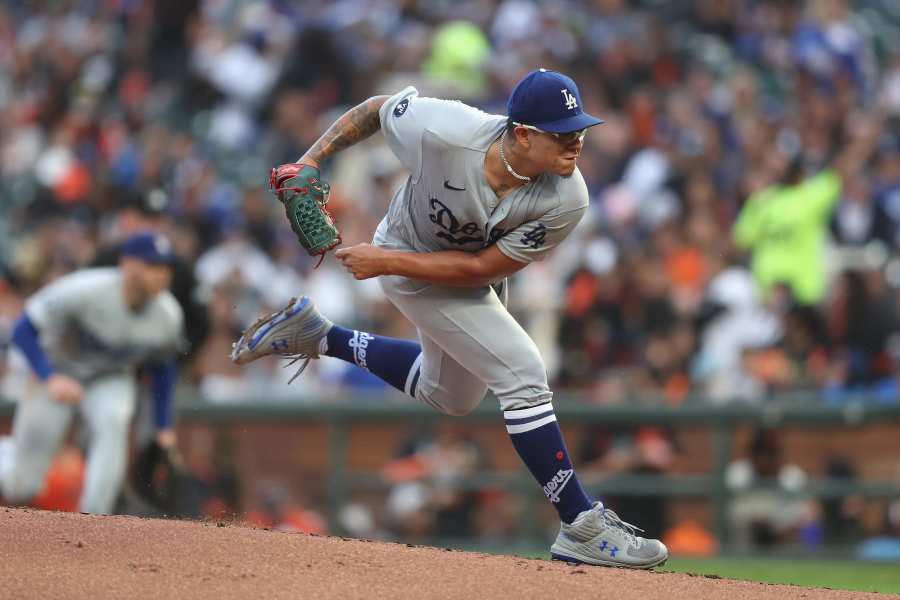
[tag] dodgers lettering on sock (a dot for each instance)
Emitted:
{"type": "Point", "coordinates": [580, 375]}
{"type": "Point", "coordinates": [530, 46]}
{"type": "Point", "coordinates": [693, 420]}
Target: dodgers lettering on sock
{"type": "Point", "coordinates": [359, 343]}
{"type": "Point", "coordinates": [538, 440]}
{"type": "Point", "coordinates": [393, 360]}
{"type": "Point", "coordinates": [556, 485]}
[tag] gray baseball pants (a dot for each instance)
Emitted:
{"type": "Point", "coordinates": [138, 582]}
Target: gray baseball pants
{"type": "Point", "coordinates": [40, 426]}
{"type": "Point", "coordinates": [470, 344]}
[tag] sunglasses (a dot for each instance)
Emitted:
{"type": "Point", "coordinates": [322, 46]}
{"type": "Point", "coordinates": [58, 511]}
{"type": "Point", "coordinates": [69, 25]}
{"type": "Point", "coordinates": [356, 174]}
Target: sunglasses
{"type": "Point", "coordinates": [563, 138]}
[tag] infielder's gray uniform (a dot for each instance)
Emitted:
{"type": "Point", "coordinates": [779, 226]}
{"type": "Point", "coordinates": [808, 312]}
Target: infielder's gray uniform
{"type": "Point", "coordinates": [90, 334]}
{"type": "Point", "coordinates": [470, 342]}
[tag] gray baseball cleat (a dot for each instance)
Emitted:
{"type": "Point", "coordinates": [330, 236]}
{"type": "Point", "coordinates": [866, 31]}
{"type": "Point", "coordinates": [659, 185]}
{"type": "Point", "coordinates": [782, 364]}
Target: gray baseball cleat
{"type": "Point", "coordinates": [293, 332]}
{"type": "Point", "coordinates": [599, 537]}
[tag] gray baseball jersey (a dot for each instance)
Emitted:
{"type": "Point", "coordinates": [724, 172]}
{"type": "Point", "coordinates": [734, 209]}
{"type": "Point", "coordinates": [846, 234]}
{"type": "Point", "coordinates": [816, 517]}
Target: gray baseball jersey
{"type": "Point", "coordinates": [87, 329]}
{"type": "Point", "coordinates": [447, 204]}
{"type": "Point", "coordinates": [470, 342]}
{"type": "Point", "coordinates": [88, 332]}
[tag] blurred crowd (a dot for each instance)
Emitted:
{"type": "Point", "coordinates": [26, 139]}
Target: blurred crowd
{"type": "Point", "coordinates": [682, 281]}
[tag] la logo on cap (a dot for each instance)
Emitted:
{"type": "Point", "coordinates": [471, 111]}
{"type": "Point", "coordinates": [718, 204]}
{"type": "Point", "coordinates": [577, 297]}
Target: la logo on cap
{"type": "Point", "coordinates": [535, 101]}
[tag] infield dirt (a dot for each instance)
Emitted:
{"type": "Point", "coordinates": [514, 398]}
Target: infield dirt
{"type": "Point", "coordinates": [66, 555]}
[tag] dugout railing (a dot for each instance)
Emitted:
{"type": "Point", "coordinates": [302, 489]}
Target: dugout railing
{"type": "Point", "coordinates": [722, 421]}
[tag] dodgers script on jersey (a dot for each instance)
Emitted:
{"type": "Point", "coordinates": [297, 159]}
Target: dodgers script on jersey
{"type": "Point", "coordinates": [447, 204]}
{"type": "Point", "coordinates": [87, 329]}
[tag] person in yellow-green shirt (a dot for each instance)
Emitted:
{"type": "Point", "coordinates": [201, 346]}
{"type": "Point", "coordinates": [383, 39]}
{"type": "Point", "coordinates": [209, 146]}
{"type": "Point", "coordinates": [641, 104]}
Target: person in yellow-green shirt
{"type": "Point", "coordinates": [785, 225]}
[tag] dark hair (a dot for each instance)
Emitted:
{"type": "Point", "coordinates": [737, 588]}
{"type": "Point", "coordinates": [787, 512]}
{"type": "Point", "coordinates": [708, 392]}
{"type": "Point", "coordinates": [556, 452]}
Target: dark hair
{"type": "Point", "coordinates": [510, 126]}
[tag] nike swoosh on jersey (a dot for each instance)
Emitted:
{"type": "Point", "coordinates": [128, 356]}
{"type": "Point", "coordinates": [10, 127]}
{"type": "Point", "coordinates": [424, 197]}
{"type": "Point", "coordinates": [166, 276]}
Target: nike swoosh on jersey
{"type": "Point", "coordinates": [452, 187]}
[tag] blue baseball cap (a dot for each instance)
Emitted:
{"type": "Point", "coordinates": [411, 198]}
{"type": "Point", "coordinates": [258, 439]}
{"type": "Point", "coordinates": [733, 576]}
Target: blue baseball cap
{"type": "Point", "coordinates": [150, 247]}
{"type": "Point", "coordinates": [550, 101]}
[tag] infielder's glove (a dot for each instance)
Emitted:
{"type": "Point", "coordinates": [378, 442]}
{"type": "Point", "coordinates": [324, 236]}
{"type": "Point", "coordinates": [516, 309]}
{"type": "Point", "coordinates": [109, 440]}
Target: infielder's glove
{"type": "Point", "coordinates": [304, 195]}
{"type": "Point", "coordinates": [157, 477]}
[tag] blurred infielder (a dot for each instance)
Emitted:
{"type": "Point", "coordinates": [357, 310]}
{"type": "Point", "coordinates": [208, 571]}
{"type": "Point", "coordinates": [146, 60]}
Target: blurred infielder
{"type": "Point", "coordinates": [83, 337]}
{"type": "Point", "coordinates": [486, 195]}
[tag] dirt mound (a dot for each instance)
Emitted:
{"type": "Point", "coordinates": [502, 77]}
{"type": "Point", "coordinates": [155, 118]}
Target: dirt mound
{"type": "Point", "coordinates": [65, 555]}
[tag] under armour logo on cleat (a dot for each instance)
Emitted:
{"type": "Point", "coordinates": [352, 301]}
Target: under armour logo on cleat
{"type": "Point", "coordinates": [279, 345]}
{"type": "Point", "coordinates": [603, 546]}
{"type": "Point", "coordinates": [613, 551]}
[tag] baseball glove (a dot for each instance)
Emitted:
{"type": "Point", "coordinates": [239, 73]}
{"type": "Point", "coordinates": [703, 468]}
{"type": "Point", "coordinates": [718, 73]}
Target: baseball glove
{"type": "Point", "coordinates": [157, 477]}
{"type": "Point", "coordinates": [304, 195]}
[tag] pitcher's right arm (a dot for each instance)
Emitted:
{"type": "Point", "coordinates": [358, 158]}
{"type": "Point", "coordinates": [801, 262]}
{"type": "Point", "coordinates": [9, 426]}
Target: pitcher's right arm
{"type": "Point", "coordinates": [355, 125]}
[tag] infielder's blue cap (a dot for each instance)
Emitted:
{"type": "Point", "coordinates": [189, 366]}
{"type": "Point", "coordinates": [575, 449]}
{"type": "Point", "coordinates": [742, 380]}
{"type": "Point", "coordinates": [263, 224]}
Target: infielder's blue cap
{"type": "Point", "coordinates": [550, 101]}
{"type": "Point", "coordinates": [150, 247]}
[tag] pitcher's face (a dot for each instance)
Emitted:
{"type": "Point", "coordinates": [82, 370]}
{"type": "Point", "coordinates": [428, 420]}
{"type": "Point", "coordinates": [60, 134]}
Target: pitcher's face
{"type": "Point", "coordinates": [556, 153]}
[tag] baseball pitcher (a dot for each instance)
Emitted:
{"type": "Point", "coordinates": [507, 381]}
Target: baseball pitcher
{"type": "Point", "coordinates": [82, 337]}
{"type": "Point", "coordinates": [486, 195]}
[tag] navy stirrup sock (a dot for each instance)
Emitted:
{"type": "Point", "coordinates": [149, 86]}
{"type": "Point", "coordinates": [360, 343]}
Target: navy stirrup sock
{"type": "Point", "coordinates": [394, 360]}
{"type": "Point", "coordinates": [534, 431]}
{"type": "Point", "coordinates": [538, 440]}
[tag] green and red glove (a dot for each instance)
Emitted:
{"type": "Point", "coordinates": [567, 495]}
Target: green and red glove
{"type": "Point", "coordinates": [304, 195]}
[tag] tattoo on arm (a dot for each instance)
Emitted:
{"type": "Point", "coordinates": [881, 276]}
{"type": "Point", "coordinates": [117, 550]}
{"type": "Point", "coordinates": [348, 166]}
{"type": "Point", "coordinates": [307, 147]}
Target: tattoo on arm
{"type": "Point", "coordinates": [354, 126]}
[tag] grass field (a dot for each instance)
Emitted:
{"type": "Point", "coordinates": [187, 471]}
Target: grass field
{"type": "Point", "coordinates": [836, 574]}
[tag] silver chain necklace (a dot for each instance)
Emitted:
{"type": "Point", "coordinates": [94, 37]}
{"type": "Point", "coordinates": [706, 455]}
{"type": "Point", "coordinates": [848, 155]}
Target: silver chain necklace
{"type": "Point", "coordinates": [506, 162]}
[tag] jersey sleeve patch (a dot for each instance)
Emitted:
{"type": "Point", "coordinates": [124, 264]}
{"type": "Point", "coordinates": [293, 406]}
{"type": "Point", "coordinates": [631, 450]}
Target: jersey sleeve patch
{"type": "Point", "coordinates": [535, 237]}
{"type": "Point", "coordinates": [533, 240]}
{"type": "Point", "coordinates": [401, 107]}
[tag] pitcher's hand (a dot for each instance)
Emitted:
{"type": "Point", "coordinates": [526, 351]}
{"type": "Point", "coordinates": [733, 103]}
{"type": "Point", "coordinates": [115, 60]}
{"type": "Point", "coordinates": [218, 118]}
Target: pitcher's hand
{"type": "Point", "coordinates": [363, 260]}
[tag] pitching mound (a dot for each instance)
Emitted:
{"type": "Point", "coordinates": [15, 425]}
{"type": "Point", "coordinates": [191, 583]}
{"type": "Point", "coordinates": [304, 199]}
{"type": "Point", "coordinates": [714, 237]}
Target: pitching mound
{"type": "Point", "coordinates": [65, 555]}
